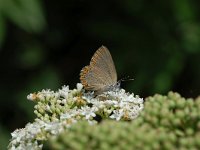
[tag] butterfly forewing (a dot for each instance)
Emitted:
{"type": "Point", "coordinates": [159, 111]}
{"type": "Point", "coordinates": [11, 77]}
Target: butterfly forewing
{"type": "Point", "coordinates": [101, 72]}
{"type": "Point", "coordinates": [102, 60]}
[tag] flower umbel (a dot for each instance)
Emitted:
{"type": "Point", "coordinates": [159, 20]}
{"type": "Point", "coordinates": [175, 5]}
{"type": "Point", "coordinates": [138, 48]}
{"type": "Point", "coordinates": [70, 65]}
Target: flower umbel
{"type": "Point", "coordinates": [58, 110]}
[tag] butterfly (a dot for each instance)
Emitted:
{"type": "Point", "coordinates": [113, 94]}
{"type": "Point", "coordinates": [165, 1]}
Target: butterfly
{"type": "Point", "coordinates": [100, 75]}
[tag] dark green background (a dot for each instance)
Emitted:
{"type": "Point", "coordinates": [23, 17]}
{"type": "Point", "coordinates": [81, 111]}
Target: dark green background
{"type": "Point", "coordinates": [44, 44]}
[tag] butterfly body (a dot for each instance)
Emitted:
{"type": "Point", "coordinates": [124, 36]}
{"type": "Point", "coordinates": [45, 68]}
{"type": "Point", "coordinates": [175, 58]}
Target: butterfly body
{"type": "Point", "coordinates": [100, 75]}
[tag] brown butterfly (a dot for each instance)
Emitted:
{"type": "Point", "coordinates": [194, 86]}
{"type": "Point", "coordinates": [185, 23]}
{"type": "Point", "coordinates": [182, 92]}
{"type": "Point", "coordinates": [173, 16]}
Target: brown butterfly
{"type": "Point", "coordinates": [100, 75]}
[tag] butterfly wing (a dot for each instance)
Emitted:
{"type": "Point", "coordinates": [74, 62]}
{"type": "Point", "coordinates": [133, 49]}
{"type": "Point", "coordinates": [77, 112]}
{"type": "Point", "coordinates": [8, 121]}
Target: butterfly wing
{"type": "Point", "coordinates": [101, 72]}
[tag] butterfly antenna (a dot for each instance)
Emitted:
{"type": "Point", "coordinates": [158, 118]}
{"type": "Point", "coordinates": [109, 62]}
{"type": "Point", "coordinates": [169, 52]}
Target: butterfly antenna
{"type": "Point", "coordinates": [126, 79]}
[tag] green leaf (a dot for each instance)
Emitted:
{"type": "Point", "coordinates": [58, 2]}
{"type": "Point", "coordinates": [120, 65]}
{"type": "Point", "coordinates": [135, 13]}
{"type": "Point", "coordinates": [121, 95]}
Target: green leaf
{"type": "Point", "coordinates": [27, 15]}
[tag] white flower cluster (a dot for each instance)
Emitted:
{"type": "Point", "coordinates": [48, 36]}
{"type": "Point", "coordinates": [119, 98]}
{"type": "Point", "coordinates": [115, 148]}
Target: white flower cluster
{"type": "Point", "coordinates": [31, 136]}
{"type": "Point", "coordinates": [58, 110]}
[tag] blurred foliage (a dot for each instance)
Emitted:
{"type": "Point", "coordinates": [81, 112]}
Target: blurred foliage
{"type": "Point", "coordinates": [167, 122]}
{"type": "Point", "coordinates": [41, 42]}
